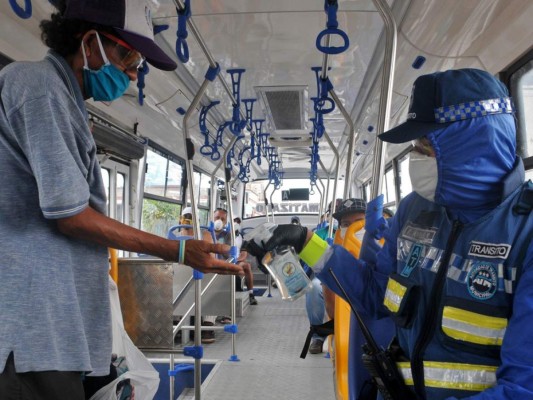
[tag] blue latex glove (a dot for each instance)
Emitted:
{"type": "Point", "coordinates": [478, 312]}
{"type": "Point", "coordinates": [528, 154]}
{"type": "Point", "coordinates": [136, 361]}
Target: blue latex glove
{"type": "Point", "coordinates": [369, 249]}
{"type": "Point", "coordinates": [374, 221]}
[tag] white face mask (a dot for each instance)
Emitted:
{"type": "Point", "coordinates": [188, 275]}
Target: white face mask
{"type": "Point", "coordinates": [219, 225]}
{"type": "Point", "coordinates": [424, 174]}
{"type": "Point", "coordinates": [237, 227]}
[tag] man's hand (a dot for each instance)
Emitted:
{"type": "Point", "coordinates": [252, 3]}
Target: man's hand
{"type": "Point", "coordinates": [242, 256]}
{"type": "Point", "coordinates": [197, 255]}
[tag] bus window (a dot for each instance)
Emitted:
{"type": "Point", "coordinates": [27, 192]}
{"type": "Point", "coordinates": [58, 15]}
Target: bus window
{"type": "Point", "coordinates": [162, 193]}
{"type": "Point", "coordinates": [522, 91]}
{"type": "Point", "coordinates": [388, 188]}
{"type": "Point", "coordinates": [175, 173]}
{"type": "Point", "coordinates": [105, 178]}
{"type": "Point", "coordinates": [121, 196]}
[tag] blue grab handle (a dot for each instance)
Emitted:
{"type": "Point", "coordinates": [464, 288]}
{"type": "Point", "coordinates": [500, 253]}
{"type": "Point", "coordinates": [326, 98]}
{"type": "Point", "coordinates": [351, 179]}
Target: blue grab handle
{"type": "Point", "coordinates": [332, 49]}
{"type": "Point", "coordinates": [249, 106]}
{"type": "Point", "coordinates": [23, 13]}
{"type": "Point", "coordinates": [203, 116]}
{"type": "Point", "coordinates": [236, 74]}
{"type": "Point", "coordinates": [182, 48]}
{"type": "Point", "coordinates": [206, 150]}
{"type": "Point", "coordinates": [321, 105]}
{"type": "Point", "coordinates": [141, 74]}
{"type": "Point", "coordinates": [215, 156]}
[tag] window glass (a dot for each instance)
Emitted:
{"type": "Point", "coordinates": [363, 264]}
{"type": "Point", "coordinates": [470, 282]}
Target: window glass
{"type": "Point", "coordinates": [105, 178]}
{"type": "Point", "coordinates": [120, 208]}
{"type": "Point", "coordinates": [367, 191]}
{"type": "Point", "coordinates": [156, 173]}
{"type": "Point", "coordinates": [175, 173]}
{"type": "Point", "coordinates": [205, 188]}
{"type": "Point", "coordinates": [389, 192]}
{"type": "Point", "coordinates": [203, 216]}
{"type": "Point", "coordinates": [158, 216]}
{"type": "Point", "coordinates": [522, 90]}
{"type": "Point", "coordinates": [403, 173]}
{"type": "Point", "coordinates": [529, 174]}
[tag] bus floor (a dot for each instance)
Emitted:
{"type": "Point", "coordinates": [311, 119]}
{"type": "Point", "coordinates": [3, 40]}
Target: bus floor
{"type": "Point", "coordinates": [268, 344]}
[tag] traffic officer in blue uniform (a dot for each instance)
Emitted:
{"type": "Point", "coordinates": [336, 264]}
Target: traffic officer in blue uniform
{"type": "Point", "coordinates": [456, 269]}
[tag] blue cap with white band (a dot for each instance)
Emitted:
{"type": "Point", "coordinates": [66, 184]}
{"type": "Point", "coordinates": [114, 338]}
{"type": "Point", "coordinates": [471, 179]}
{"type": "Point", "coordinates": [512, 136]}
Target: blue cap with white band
{"type": "Point", "coordinates": [442, 98]}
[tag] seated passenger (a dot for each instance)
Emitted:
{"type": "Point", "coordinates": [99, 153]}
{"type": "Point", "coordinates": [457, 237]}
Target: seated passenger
{"type": "Point", "coordinates": [314, 304]}
{"type": "Point", "coordinates": [222, 236]}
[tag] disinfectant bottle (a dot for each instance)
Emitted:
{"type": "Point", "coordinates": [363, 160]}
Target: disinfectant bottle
{"type": "Point", "coordinates": [282, 263]}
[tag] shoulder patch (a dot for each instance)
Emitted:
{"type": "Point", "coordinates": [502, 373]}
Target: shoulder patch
{"type": "Point", "coordinates": [489, 250]}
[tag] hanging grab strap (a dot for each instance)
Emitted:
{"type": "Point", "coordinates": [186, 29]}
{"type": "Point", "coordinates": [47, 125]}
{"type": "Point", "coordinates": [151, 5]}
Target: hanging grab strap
{"type": "Point", "coordinates": [330, 7]}
{"type": "Point", "coordinates": [23, 13]}
{"type": "Point", "coordinates": [141, 73]}
{"type": "Point", "coordinates": [182, 49]}
{"type": "Point", "coordinates": [207, 148]}
{"type": "Point", "coordinates": [324, 104]}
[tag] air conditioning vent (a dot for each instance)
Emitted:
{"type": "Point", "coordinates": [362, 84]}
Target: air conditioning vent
{"type": "Point", "coordinates": [284, 108]}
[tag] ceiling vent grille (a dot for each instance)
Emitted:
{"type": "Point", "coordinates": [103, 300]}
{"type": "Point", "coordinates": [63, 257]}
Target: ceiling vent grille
{"type": "Point", "coordinates": [284, 108]}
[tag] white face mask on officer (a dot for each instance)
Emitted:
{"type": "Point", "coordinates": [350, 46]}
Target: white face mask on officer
{"type": "Point", "coordinates": [219, 225]}
{"type": "Point", "coordinates": [424, 174]}
{"type": "Point", "coordinates": [237, 227]}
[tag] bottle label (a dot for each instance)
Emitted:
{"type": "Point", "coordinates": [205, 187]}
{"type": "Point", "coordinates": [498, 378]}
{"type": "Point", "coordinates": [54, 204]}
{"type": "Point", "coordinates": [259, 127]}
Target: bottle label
{"type": "Point", "coordinates": [295, 279]}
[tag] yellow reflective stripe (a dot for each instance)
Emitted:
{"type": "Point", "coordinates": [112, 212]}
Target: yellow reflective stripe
{"type": "Point", "coordinates": [474, 328]}
{"type": "Point", "coordinates": [394, 295]}
{"type": "Point", "coordinates": [453, 375]}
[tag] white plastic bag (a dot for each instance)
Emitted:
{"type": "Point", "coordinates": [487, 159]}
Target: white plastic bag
{"type": "Point", "coordinates": [142, 375]}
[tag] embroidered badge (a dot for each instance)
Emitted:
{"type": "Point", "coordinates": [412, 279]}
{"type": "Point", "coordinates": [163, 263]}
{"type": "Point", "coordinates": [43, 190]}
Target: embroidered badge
{"type": "Point", "coordinates": [482, 280]}
{"type": "Point", "coordinates": [412, 260]}
{"type": "Point", "coordinates": [417, 234]}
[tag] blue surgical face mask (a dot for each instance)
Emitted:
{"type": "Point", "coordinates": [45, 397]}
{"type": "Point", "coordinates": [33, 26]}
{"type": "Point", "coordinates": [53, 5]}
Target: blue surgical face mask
{"type": "Point", "coordinates": [106, 84]}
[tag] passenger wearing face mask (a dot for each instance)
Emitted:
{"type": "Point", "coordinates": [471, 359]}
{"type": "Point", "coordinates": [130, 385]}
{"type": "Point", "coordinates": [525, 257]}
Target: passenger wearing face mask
{"type": "Point", "coordinates": [54, 229]}
{"type": "Point", "coordinates": [222, 235]}
{"type": "Point", "coordinates": [456, 269]}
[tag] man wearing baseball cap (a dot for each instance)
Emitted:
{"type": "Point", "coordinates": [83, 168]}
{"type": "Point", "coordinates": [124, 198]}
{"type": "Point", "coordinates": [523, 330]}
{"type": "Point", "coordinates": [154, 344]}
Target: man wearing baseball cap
{"type": "Point", "coordinates": [456, 269]}
{"type": "Point", "coordinates": [55, 322]}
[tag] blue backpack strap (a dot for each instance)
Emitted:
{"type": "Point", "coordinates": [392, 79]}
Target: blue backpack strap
{"type": "Point", "coordinates": [525, 201]}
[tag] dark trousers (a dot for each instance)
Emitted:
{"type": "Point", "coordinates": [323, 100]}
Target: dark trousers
{"type": "Point", "coordinates": [46, 385]}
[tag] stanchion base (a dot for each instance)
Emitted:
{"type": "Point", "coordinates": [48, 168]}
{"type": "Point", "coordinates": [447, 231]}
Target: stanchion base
{"type": "Point", "coordinates": [234, 357]}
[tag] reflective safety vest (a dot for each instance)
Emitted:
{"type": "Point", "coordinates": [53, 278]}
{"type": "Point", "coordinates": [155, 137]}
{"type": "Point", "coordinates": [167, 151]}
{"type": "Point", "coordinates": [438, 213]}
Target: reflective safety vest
{"type": "Point", "coordinates": [452, 294]}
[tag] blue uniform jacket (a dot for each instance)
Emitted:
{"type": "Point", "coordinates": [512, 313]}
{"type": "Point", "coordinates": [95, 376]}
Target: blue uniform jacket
{"type": "Point", "coordinates": [477, 342]}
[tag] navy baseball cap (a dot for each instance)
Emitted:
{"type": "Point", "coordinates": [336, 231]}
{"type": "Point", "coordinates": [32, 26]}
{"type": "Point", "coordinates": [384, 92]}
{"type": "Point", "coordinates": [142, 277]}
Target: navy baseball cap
{"type": "Point", "coordinates": [442, 98]}
{"type": "Point", "coordinates": [350, 206]}
{"type": "Point", "coordinates": [131, 20]}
